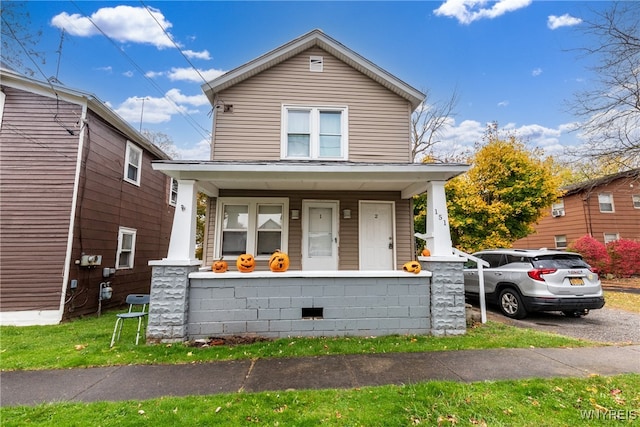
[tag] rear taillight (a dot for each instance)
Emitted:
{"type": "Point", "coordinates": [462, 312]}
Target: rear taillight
{"type": "Point", "coordinates": [538, 272]}
{"type": "Point", "coordinates": [595, 270]}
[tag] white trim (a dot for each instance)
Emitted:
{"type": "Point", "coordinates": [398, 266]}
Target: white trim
{"type": "Point", "coordinates": [361, 243]}
{"type": "Point", "coordinates": [252, 215]}
{"type": "Point", "coordinates": [121, 232]}
{"type": "Point", "coordinates": [133, 147]}
{"type": "Point", "coordinates": [3, 97]}
{"type": "Point", "coordinates": [72, 216]}
{"type": "Point", "coordinates": [314, 130]}
{"type": "Point", "coordinates": [30, 318]}
{"type": "Point", "coordinates": [610, 196]}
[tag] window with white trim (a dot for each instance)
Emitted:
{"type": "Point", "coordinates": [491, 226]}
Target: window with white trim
{"type": "Point", "coordinates": [316, 133]}
{"type": "Point", "coordinates": [173, 192]}
{"type": "Point", "coordinates": [557, 209]}
{"type": "Point", "coordinates": [636, 201]}
{"type": "Point", "coordinates": [126, 247]}
{"type": "Point", "coordinates": [257, 226]}
{"type": "Point", "coordinates": [132, 164]}
{"type": "Point", "coordinates": [605, 200]}
{"type": "Point", "coordinates": [611, 237]}
{"type": "Point", "coordinates": [561, 241]}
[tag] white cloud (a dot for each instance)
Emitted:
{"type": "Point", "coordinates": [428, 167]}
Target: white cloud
{"type": "Point", "coordinates": [467, 11]}
{"type": "Point", "coordinates": [197, 55]}
{"type": "Point", "coordinates": [192, 75]}
{"type": "Point", "coordinates": [536, 72]}
{"type": "Point", "coordinates": [553, 141]}
{"type": "Point", "coordinates": [196, 100]}
{"type": "Point", "coordinates": [121, 23]}
{"type": "Point", "coordinates": [566, 20]}
{"type": "Point", "coordinates": [156, 110]}
{"type": "Point", "coordinates": [503, 103]}
{"type": "Point", "coordinates": [201, 151]}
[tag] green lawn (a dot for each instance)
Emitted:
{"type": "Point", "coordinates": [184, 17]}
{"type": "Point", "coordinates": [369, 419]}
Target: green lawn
{"type": "Point", "coordinates": [545, 402]}
{"type": "Point", "coordinates": [85, 343]}
{"type": "Point", "coordinates": [549, 402]}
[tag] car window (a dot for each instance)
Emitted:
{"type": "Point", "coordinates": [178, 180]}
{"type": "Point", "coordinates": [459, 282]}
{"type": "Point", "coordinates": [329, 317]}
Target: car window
{"type": "Point", "coordinates": [560, 261]}
{"type": "Point", "coordinates": [494, 260]}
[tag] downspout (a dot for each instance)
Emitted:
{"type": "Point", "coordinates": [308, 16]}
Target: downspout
{"type": "Point", "coordinates": [72, 215]}
{"type": "Point", "coordinates": [586, 201]}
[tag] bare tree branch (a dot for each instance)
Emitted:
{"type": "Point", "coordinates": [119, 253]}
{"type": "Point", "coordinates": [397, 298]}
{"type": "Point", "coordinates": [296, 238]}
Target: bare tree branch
{"type": "Point", "coordinates": [427, 124]}
{"type": "Point", "coordinates": [610, 110]}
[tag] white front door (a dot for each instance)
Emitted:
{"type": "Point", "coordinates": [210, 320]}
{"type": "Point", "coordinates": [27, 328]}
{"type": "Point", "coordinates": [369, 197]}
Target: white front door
{"type": "Point", "coordinates": [319, 235]}
{"type": "Point", "coordinates": [377, 237]}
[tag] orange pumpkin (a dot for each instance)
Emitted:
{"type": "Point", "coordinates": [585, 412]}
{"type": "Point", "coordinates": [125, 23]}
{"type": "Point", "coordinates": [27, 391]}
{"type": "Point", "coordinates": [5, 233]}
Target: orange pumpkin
{"type": "Point", "coordinates": [426, 252]}
{"type": "Point", "coordinates": [246, 263]}
{"type": "Point", "coordinates": [220, 266]}
{"type": "Point", "coordinates": [279, 261]}
{"type": "Point", "coordinates": [412, 267]}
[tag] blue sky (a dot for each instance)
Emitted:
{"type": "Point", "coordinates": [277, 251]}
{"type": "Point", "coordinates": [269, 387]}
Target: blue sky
{"type": "Point", "coordinates": [511, 61]}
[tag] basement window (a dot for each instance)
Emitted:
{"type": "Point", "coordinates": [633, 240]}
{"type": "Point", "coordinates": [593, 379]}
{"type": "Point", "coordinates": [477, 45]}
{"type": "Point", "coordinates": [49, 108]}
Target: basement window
{"type": "Point", "coordinates": [312, 312]}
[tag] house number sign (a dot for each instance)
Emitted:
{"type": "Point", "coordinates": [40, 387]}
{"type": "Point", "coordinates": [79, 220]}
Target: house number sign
{"type": "Point", "coordinates": [439, 217]}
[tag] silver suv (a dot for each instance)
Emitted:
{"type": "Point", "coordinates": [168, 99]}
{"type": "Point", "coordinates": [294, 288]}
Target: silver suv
{"type": "Point", "coordinates": [521, 281]}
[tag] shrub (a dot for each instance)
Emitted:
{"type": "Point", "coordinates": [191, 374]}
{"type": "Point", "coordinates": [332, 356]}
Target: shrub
{"type": "Point", "coordinates": [625, 257]}
{"type": "Point", "coordinates": [593, 252]}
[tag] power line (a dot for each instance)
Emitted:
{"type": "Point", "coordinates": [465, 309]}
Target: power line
{"type": "Point", "coordinates": [196, 126]}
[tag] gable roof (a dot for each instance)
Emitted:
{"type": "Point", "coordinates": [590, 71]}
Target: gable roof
{"type": "Point", "coordinates": [302, 43]}
{"type": "Point", "coordinates": [13, 79]}
{"type": "Point", "coordinates": [598, 182]}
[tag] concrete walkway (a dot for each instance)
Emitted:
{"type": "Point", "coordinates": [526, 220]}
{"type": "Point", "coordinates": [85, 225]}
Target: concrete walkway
{"type": "Point", "coordinates": [140, 382]}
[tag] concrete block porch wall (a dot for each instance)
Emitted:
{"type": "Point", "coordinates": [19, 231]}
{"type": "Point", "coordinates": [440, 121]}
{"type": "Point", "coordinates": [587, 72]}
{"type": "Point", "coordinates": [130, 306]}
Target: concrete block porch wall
{"type": "Point", "coordinates": [301, 303]}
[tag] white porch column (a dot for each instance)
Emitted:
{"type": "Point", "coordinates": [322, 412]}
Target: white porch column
{"type": "Point", "coordinates": [182, 246]}
{"type": "Point", "coordinates": [438, 234]}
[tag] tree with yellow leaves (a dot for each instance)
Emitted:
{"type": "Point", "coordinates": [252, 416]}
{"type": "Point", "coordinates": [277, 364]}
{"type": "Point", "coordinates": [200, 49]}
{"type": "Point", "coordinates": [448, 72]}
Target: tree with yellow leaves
{"type": "Point", "coordinates": [502, 195]}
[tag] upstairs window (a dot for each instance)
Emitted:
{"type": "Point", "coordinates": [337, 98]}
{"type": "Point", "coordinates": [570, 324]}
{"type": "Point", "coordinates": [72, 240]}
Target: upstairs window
{"type": "Point", "coordinates": [132, 164]}
{"type": "Point", "coordinates": [636, 201]}
{"type": "Point", "coordinates": [606, 202]}
{"type": "Point", "coordinates": [316, 133]}
{"type": "Point", "coordinates": [557, 209]}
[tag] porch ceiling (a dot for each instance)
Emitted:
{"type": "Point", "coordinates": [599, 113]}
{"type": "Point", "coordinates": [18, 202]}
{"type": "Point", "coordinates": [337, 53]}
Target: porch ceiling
{"type": "Point", "coordinates": [408, 178]}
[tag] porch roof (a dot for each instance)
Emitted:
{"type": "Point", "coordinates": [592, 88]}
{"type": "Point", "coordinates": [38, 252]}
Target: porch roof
{"type": "Point", "coordinates": [408, 178]}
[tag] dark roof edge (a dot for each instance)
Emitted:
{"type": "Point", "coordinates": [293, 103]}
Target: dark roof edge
{"type": "Point", "coordinates": [593, 183]}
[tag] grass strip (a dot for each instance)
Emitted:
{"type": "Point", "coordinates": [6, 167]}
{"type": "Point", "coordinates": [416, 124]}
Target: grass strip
{"type": "Point", "coordinates": [545, 402]}
{"type": "Point", "coordinates": [85, 343]}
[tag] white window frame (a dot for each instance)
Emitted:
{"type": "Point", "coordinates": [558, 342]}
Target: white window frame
{"type": "Point", "coordinates": [173, 191]}
{"type": "Point", "coordinates": [121, 233]}
{"type": "Point", "coordinates": [252, 228]}
{"type": "Point", "coordinates": [557, 209]}
{"type": "Point", "coordinates": [314, 129]}
{"type": "Point", "coordinates": [560, 241]}
{"type": "Point", "coordinates": [610, 237]}
{"type": "Point", "coordinates": [131, 147]}
{"type": "Point", "coordinates": [610, 202]}
{"type": "Point", "coordinates": [635, 199]}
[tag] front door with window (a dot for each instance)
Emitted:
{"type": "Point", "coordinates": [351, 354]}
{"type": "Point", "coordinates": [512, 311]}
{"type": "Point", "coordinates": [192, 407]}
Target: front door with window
{"type": "Point", "coordinates": [377, 237]}
{"type": "Point", "coordinates": [319, 235]}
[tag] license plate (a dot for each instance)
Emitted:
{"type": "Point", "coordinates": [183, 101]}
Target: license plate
{"type": "Point", "coordinates": [576, 281]}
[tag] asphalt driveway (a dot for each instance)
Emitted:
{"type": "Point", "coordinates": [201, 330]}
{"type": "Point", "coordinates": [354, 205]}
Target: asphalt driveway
{"type": "Point", "coordinates": [606, 325]}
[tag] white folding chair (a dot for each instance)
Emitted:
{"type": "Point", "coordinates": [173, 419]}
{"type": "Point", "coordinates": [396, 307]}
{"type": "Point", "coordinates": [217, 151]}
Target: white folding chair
{"type": "Point", "coordinates": [136, 301]}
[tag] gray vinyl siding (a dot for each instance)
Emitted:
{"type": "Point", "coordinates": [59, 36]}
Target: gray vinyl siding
{"type": "Point", "coordinates": [349, 249]}
{"type": "Point", "coordinates": [38, 159]}
{"type": "Point", "coordinates": [379, 120]}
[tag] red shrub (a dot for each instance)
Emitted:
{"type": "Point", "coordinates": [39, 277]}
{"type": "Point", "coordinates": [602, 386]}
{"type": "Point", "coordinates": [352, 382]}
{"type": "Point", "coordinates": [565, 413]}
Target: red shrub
{"type": "Point", "coordinates": [593, 252]}
{"type": "Point", "coordinates": [625, 257]}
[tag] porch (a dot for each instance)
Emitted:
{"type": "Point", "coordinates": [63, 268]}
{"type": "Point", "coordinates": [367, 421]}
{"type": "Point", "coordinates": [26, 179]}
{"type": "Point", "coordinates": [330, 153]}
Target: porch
{"type": "Point", "coordinates": [188, 301]}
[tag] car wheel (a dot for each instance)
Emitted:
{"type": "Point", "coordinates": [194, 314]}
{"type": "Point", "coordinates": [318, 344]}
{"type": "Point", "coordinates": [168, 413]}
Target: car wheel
{"type": "Point", "coordinates": [511, 305]}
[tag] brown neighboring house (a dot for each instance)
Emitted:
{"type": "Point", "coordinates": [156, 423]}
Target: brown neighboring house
{"type": "Point", "coordinates": [78, 195]}
{"type": "Point", "coordinates": [607, 208]}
